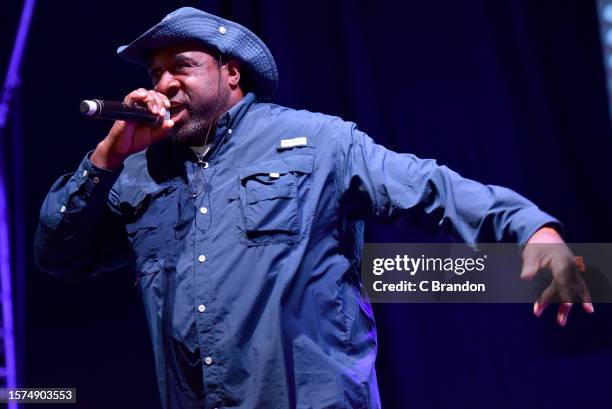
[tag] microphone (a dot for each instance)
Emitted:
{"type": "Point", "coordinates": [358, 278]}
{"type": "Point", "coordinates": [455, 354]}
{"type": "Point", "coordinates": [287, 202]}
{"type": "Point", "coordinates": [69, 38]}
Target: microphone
{"type": "Point", "coordinates": [114, 110]}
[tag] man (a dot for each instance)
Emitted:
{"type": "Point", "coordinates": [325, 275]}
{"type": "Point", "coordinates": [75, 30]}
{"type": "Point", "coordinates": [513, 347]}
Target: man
{"type": "Point", "coordinates": [244, 223]}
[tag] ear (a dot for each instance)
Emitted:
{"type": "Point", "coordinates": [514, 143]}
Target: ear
{"type": "Point", "coordinates": [233, 73]}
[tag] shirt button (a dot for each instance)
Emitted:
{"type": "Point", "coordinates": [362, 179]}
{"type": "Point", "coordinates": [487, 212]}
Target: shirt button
{"type": "Point", "coordinates": [205, 165]}
{"type": "Point", "coordinates": [96, 179]}
{"type": "Point", "coordinates": [222, 30]}
{"type": "Point", "coordinates": [229, 131]}
{"type": "Point", "coordinates": [201, 308]}
{"type": "Point", "coordinates": [85, 173]}
{"type": "Point", "coordinates": [62, 209]}
{"type": "Point", "coordinates": [203, 210]}
{"type": "Point", "coordinates": [202, 258]}
{"type": "Point", "coordinates": [208, 360]}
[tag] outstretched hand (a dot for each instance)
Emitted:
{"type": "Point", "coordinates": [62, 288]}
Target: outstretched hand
{"type": "Point", "coordinates": [547, 250]}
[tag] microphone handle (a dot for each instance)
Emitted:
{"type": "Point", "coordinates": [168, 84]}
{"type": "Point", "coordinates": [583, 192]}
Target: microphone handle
{"type": "Point", "coordinates": [114, 110]}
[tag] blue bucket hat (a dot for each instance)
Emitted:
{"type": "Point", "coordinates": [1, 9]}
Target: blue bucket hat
{"type": "Point", "coordinates": [231, 39]}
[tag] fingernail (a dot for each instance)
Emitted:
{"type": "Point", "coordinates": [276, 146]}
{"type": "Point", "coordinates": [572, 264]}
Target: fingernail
{"type": "Point", "coordinates": [536, 309]}
{"type": "Point", "coordinates": [155, 109]}
{"type": "Point", "coordinates": [590, 308]}
{"type": "Point", "coordinates": [162, 112]}
{"type": "Point", "coordinates": [169, 122]}
{"type": "Point", "coordinates": [561, 319]}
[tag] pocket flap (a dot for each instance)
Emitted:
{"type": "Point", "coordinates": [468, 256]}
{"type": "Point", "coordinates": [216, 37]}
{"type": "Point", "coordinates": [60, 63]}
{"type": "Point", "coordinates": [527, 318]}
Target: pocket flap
{"type": "Point", "coordinates": [135, 195]}
{"type": "Point", "coordinates": [265, 192]}
{"type": "Point", "coordinates": [134, 201]}
{"type": "Point", "coordinates": [302, 163]}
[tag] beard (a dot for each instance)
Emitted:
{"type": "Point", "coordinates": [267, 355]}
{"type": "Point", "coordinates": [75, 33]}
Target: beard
{"type": "Point", "coordinates": [195, 130]}
{"type": "Point", "coordinates": [201, 125]}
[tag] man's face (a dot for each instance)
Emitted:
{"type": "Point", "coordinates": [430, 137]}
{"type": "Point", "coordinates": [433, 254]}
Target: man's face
{"type": "Point", "coordinates": [197, 89]}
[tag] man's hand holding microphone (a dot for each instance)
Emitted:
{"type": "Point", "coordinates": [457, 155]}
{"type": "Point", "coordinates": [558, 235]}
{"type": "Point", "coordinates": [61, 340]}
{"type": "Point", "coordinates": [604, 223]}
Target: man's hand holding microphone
{"type": "Point", "coordinates": [128, 137]}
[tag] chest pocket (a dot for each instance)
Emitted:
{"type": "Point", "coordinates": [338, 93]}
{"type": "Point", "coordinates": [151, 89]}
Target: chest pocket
{"type": "Point", "coordinates": [270, 194]}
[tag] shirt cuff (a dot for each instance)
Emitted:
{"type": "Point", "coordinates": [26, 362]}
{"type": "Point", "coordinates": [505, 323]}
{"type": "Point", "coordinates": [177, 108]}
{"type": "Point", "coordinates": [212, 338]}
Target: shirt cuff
{"type": "Point", "coordinates": [95, 179]}
{"type": "Point", "coordinates": [532, 220]}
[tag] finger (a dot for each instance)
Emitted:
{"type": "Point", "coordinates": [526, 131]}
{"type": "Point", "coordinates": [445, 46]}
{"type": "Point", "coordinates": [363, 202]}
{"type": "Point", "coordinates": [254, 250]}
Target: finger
{"type": "Point", "coordinates": [563, 312]}
{"type": "Point", "coordinates": [163, 131]}
{"type": "Point", "coordinates": [538, 308]}
{"type": "Point", "coordinates": [159, 102]}
{"type": "Point", "coordinates": [587, 304]}
{"type": "Point", "coordinates": [154, 101]}
{"type": "Point", "coordinates": [531, 263]}
{"type": "Point", "coordinates": [128, 127]}
{"type": "Point", "coordinates": [547, 297]}
{"type": "Point", "coordinates": [588, 307]}
{"type": "Point", "coordinates": [151, 103]}
{"type": "Point", "coordinates": [143, 97]}
{"type": "Point", "coordinates": [549, 294]}
{"type": "Point", "coordinates": [134, 96]}
{"type": "Point", "coordinates": [122, 127]}
{"type": "Point", "coordinates": [164, 99]}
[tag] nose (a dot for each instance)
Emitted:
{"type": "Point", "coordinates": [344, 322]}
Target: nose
{"type": "Point", "coordinates": [167, 84]}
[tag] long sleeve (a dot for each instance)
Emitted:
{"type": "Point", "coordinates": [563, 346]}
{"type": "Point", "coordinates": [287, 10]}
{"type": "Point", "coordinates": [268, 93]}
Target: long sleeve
{"type": "Point", "coordinates": [79, 233]}
{"type": "Point", "coordinates": [374, 182]}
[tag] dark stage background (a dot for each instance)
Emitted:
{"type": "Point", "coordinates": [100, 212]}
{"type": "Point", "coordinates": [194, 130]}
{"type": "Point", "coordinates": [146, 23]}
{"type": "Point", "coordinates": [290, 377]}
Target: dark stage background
{"type": "Point", "coordinates": [508, 92]}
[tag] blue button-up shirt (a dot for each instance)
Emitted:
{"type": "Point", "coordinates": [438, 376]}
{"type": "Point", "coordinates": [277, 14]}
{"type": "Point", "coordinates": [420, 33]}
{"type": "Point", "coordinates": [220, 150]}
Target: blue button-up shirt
{"type": "Point", "coordinates": [248, 260]}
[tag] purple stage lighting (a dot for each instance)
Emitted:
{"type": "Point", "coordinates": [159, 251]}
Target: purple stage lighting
{"type": "Point", "coordinates": [8, 371]}
{"type": "Point", "coordinates": [605, 26]}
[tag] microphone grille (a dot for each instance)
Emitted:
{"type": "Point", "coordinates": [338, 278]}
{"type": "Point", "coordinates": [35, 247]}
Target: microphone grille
{"type": "Point", "coordinates": [89, 107]}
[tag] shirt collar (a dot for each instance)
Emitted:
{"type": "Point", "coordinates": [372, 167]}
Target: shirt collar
{"type": "Point", "coordinates": [232, 117]}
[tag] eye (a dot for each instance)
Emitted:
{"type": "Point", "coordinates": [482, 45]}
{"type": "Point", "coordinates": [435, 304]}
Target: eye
{"type": "Point", "coordinates": [181, 65]}
{"type": "Point", "coordinates": [155, 74]}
